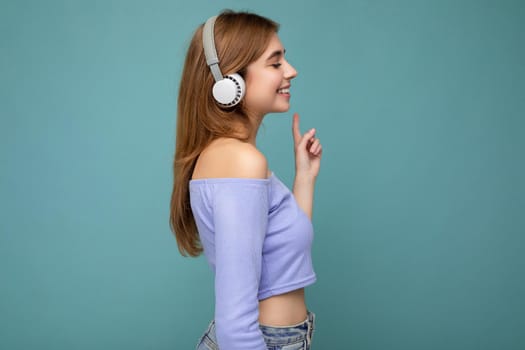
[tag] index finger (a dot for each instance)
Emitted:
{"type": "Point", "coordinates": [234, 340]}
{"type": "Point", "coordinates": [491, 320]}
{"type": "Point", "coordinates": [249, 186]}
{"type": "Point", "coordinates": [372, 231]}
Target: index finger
{"type": "Point", "coordinates": [295, 128]}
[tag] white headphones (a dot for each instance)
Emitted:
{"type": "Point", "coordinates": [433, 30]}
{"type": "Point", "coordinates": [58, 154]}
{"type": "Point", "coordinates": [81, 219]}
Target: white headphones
{"type": "Point", "coordinates": [229, 90]}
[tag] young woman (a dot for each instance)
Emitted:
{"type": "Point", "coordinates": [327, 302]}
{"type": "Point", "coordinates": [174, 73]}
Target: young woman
{"type": "Point", "coordinates": [255, 233]}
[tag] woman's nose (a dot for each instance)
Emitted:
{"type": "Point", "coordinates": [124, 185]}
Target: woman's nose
{"type": "Point", "coordinates": [290, 72]}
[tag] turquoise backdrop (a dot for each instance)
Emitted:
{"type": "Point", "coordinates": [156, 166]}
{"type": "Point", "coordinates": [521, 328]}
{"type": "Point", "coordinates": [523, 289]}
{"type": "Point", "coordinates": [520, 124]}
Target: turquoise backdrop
{"type": "Point", "coordinates": [419, 210]}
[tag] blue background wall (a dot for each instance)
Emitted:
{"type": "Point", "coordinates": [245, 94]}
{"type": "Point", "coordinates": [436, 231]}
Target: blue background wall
{"type": "Point", "coordinates": [419, 210]}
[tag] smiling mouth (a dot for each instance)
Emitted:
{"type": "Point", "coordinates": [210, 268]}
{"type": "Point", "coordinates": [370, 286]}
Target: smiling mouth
{"type": "Point", "coordinates": [283, 91]}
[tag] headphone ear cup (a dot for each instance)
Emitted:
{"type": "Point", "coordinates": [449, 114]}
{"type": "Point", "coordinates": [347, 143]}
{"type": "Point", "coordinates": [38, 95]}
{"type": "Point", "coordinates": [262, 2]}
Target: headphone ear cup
{"type": "Point", "coordinates": [229, 91]}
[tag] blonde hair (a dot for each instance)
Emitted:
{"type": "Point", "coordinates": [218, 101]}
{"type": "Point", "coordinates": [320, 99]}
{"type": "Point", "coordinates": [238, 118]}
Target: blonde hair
{"type": "Point", "coordinates": [240, 39]}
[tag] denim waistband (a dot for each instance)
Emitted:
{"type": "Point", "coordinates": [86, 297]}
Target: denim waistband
{"type": "Point", "coordinates": [274, 335]}
{"type": "Point", "coordinates": [280, 335]}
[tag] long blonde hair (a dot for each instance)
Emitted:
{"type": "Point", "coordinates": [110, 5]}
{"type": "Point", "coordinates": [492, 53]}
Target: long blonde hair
{"type": "Point", "coordinates": [240, 38]}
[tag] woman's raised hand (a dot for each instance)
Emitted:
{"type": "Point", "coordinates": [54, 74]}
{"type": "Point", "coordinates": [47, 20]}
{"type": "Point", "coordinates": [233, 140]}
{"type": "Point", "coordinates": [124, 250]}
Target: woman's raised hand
{"type": "Point", "coordinates": [308, 151]}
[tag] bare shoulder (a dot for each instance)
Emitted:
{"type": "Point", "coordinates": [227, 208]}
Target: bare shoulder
{"type": "Point", "coordinates": [230, 158]}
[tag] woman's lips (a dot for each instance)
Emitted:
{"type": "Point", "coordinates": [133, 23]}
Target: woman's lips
{"type": "Point", "coordinates": [284, 91]}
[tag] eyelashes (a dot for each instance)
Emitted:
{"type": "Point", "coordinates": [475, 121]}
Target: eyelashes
{"type": "Point", "coordinates": [276, 65]}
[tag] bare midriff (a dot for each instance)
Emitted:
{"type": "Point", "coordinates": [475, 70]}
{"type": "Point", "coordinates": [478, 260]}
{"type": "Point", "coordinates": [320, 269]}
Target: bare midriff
{"type": "Point", "coordinates": [283, 310]}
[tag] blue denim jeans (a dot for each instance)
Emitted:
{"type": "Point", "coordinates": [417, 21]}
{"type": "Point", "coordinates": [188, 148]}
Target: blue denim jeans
{"type": "Point", "coordinates": [294, 337]}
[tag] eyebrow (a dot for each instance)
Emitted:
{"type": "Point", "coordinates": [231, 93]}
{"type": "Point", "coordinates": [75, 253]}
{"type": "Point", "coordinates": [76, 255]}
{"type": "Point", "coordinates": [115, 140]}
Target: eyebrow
{"type": "Point", "coordinates": [276, 53]}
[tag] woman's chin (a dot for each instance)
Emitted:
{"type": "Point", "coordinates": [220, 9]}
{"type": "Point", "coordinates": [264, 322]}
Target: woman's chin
{"type": "Point", "coordinates": [282, 108]}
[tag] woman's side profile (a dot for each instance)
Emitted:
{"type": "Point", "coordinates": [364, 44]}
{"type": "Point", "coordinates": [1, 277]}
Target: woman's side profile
{"type": "Point", "coordinates": [227, 202]}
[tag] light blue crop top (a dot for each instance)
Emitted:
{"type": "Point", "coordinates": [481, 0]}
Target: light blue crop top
{"type": "Point", "coordinates": [257, 240]}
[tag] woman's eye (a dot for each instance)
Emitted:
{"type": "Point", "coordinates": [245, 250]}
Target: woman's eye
{"type": "Point", "coordinates": [276, 65]}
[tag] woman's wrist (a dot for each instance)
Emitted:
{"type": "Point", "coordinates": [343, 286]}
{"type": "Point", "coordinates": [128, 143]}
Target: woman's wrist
{"type": "Point", "coordinates": [304, 178]}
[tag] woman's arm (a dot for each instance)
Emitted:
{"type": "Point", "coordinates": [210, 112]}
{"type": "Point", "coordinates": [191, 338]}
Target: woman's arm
{"type": "Point", "coordinates": [240, 215]}
{"type": "Point", "coordinates": [240, 206]}
{"type": "Point", "coordinates": [308, 151]}
{"type": "Point", "coordinates": [303, 191]}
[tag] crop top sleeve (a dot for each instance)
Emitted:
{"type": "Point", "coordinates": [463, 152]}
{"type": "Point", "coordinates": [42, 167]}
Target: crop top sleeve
{"type": "Point", "coordinates": [240, 216]}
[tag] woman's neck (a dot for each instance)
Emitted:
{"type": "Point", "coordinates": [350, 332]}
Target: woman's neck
{"type": "Point", "coordinates": [251, 133]}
